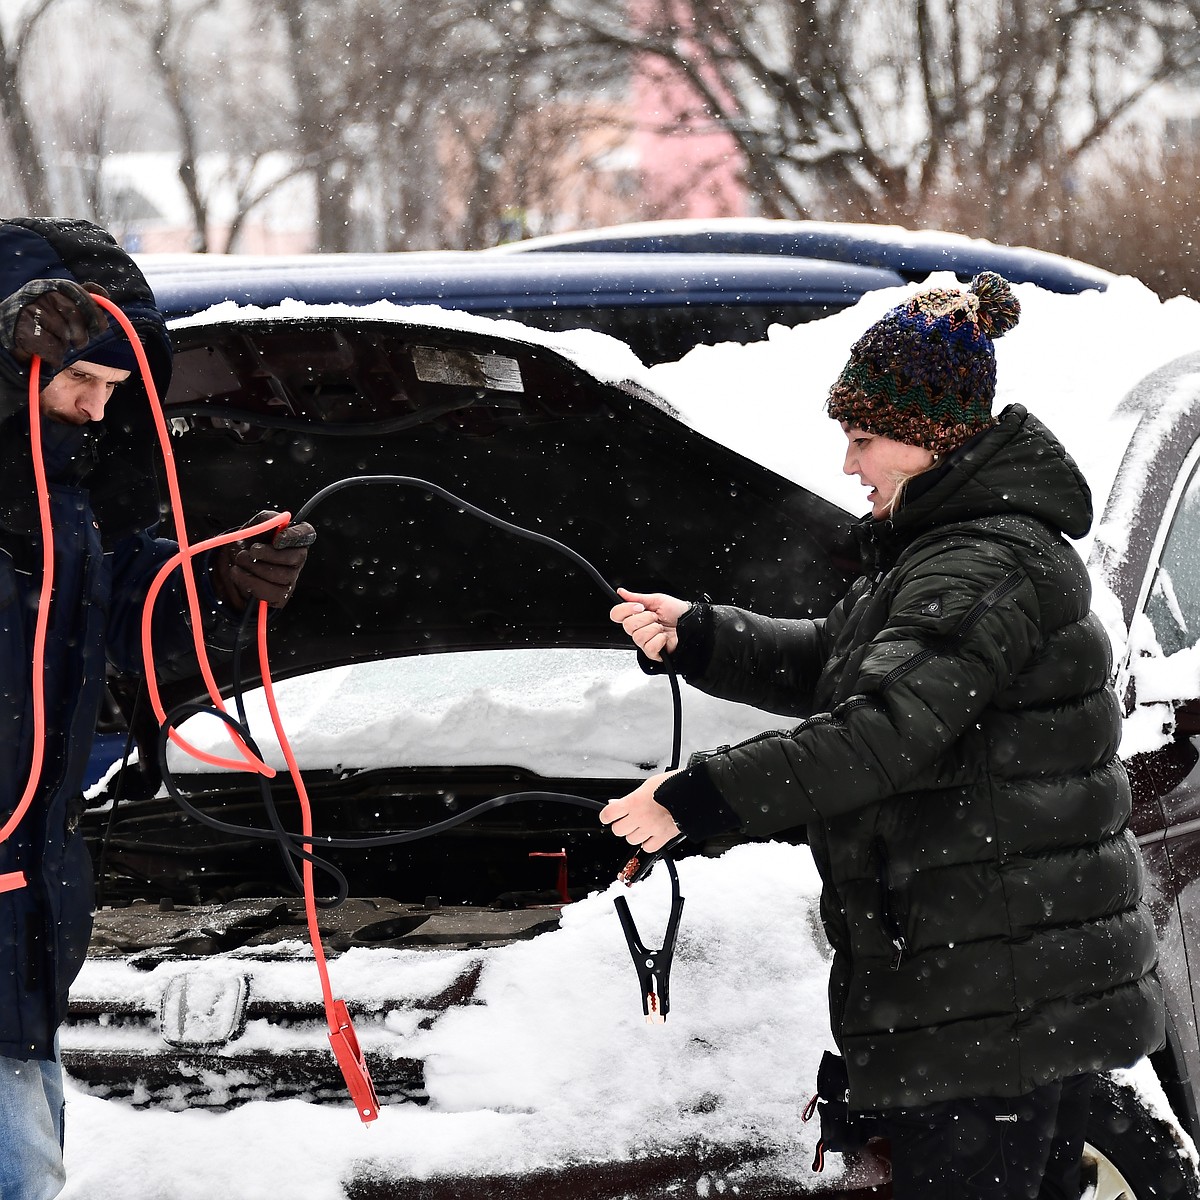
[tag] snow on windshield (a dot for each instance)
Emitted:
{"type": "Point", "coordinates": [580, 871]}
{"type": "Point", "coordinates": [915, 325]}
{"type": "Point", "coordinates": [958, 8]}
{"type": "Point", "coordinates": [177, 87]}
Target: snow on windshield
{"type": "Point", "coordinates": [572, 712]}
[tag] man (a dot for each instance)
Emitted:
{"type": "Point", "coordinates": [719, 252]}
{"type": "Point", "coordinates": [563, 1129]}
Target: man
{"type": "Point", "coordinates": [97, 447]}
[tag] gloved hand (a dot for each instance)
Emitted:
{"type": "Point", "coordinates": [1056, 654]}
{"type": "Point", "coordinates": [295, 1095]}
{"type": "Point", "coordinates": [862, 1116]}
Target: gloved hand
{"type": "Point", "coordinates": [51, 318]}
{"type": "Point", "coordinates": [251, 571]}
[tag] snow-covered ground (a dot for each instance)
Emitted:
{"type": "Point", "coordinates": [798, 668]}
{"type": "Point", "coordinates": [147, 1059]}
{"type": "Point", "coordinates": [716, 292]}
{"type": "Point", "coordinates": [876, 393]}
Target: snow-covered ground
{"type": "Point", "coordinates": [557, 1066]}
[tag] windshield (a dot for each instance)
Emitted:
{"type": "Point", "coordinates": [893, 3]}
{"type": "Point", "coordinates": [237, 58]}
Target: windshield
{"type": "Point", "coordinates": [558, 712]}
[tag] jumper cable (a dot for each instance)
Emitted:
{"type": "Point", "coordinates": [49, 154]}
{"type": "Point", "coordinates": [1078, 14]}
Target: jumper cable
{"type": "Point", "coordinates": [653, 966]}
{"type": "Point", "coordinates": [11, 881]}
{"type": "Point", "coordinates": [342, 1038]}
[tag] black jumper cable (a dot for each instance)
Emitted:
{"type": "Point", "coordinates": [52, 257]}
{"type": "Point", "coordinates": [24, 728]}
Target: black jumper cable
{"type": "Point", "coordinates": [653, 966]}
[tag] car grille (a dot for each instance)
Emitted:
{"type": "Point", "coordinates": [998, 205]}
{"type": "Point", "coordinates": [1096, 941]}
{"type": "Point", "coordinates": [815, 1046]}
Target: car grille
{"type": "Point", "coordinates": [172, 1024]}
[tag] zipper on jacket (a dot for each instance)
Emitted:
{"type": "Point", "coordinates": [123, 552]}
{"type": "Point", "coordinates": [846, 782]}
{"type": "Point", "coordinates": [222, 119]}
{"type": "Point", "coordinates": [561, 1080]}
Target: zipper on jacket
{"type": "Point", "coordinates": [887, 892]}
{"type": "Point", "coordinates": [824, 718]}
{"type": "Point", "coordinates": [977, 612]}
{"type": "Point", "coordinates": [987, 601]}
{"type": "Point", "coordinates": [828, 718]}
{"type": "Point", "coordinates": [887, 897]}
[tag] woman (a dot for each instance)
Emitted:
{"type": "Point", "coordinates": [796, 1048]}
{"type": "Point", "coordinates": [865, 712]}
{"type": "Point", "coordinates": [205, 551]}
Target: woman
{"type": "Point", "coordinates": [956, 770]}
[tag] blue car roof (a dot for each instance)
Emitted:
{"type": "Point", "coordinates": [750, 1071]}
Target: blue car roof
{"type": "Point", "coordinates": [483, 283]}
{"type": "Point", "coordinates": [912, 254]}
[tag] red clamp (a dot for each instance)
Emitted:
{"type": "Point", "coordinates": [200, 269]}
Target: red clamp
{"type": "Point", "coordinates": [12, 882]}
{"type": "Point", "coordinates": [352, 1064]}
{"type": "Point", "coordinates": [564, 893]}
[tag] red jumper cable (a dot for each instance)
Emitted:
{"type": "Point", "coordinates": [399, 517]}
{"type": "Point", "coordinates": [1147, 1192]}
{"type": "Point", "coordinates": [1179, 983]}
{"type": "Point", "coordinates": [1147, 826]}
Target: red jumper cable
{"type": "Point", "coordinates": [12, 880]}
{"type": "Point", "coordinates": [342, 1038]}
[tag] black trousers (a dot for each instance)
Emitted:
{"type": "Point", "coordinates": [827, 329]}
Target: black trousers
{"type": "Point", "coordinates": [991, 1149]}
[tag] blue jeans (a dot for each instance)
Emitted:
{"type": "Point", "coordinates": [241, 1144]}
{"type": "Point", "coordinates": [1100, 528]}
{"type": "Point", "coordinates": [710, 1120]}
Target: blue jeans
{"type": "Point", "coordinates": [31, 1129]}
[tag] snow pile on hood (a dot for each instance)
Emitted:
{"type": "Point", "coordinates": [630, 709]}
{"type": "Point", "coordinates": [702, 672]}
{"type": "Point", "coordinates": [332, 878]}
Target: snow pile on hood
{"type": "Point", "coordinates": [553, 1066]}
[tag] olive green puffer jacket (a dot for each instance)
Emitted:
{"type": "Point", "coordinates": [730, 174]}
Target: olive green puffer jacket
{"type": "Point", "coordinates": [960, 786]}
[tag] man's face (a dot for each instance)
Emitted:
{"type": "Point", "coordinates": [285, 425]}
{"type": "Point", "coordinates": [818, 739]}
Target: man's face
{"type": "Point", "coordinates": [79, 393]}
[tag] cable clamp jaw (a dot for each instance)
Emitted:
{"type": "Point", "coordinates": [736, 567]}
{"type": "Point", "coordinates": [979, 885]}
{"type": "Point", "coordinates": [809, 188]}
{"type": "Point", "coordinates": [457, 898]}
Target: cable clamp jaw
{"type": "Point", "coordinates": [653, 966]}
{"type": "Point", "coordinates": [639, 866]}
{"type": "Point", "coordinates": [352, 1064]}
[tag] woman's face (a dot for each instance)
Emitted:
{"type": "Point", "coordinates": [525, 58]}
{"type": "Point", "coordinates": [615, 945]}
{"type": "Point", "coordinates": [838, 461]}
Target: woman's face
{"type": "Point", "coordinates": [882, 465]}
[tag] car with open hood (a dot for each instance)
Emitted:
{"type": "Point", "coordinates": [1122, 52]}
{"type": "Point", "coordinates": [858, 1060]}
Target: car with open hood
{"type": "Point", "coordinates": [430, 662]}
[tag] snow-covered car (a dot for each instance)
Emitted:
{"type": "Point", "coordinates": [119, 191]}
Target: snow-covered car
{"type": "Point", "coordinates": [430, 661]}
{"type": "Point", "coordinates": [660, 304]}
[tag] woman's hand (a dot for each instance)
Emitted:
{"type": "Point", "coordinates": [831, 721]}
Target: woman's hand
{"type": "Point", "coordinates": [639, 818]}
{"type": "Point", "coordinates": [650, 618]}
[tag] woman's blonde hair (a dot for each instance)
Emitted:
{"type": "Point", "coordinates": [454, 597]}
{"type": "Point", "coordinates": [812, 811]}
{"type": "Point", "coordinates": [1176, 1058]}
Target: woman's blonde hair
{"type": "Point", "coordinates": [905, 480]}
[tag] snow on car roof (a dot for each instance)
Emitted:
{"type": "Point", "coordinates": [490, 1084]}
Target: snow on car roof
{"type": "Point", "coordinates": [1070, 360]}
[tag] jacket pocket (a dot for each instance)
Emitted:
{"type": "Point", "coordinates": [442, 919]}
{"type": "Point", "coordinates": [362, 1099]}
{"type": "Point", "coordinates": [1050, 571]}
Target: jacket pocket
{"type": "Point", "coordinates": [893, 903]}
{"type": "Point", "coordinates": [970, 619]}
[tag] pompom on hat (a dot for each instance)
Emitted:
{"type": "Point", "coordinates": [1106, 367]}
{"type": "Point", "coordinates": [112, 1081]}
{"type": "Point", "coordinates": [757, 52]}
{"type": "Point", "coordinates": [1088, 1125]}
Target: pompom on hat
{"type": "Point", "coordinates": [925, 374]}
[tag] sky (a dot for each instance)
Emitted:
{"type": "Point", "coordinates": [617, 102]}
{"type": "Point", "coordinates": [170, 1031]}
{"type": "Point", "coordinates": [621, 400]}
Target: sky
{"type": "Point", "coordinates": [556, 1065]}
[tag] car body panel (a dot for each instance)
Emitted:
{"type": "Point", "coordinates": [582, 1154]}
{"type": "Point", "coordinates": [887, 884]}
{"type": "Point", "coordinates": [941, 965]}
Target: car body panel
{"type": "Point", "coordinates": [1161, 419]}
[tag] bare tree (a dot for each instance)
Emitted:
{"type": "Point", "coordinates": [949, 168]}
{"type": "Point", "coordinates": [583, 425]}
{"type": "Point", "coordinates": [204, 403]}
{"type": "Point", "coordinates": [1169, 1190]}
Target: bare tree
{"type": "Point", "coordinates": [452, 124]}
{"type": "Point", "coordinates": [413, 119]}
{"type": "Point", "coordinates": [905, 109]}
{"type": "Point", "coordinates": [220, 140]}
{"type": "Point", "coordinates": [29, 180]}
{"type": "Point", "coordinates": [543, 111]}
{"type": "Point", "coordinates": [417, 125]}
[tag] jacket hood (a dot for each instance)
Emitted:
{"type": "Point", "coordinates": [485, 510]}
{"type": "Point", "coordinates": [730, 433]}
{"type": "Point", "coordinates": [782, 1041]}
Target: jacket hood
{"type": "Point", "coordinates": [122, 483]}
{"type": "Point", "coordinates": [1016, 467]}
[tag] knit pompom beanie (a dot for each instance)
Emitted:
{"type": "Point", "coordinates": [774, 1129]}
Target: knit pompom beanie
{"type": "Point", "coordinates": [925, 374]}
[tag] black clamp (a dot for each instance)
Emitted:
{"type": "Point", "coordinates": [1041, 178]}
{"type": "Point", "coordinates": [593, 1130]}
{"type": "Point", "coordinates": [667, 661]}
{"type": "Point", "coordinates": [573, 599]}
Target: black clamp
{"type": "Point", "coordinates": [653, 966]}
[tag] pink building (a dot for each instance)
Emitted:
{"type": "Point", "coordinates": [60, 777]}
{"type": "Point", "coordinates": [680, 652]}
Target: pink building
{"type": "Point", "coordinates": [689, 166]}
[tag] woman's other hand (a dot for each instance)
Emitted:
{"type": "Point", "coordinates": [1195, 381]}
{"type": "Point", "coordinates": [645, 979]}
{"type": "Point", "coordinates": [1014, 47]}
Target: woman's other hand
{"type": "Point", "coordinates": [650, 619]}
{"type": "Point", "coordinates": [639, 818]}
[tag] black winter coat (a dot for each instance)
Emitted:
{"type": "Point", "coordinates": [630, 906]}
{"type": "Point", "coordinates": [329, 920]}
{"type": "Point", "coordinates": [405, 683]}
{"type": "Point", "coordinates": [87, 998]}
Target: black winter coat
{"type": "Point", "coordinates": [103, 498]}
{"type": "Point", "coordinates": [960, 785]}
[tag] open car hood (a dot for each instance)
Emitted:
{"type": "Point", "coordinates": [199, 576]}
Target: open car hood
{"type": "Point", "coordinates": [269, 407]}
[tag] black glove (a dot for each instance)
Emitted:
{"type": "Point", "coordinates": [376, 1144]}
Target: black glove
{"type": "Point", "coordinates": [249, 571]}
{"type": "Point", "coordinates": [51, 318]}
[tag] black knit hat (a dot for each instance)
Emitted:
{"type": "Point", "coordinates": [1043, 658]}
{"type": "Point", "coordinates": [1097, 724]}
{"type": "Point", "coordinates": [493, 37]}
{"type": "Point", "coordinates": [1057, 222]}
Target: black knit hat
{"type": "Point", "coordinates": [925, 374]}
